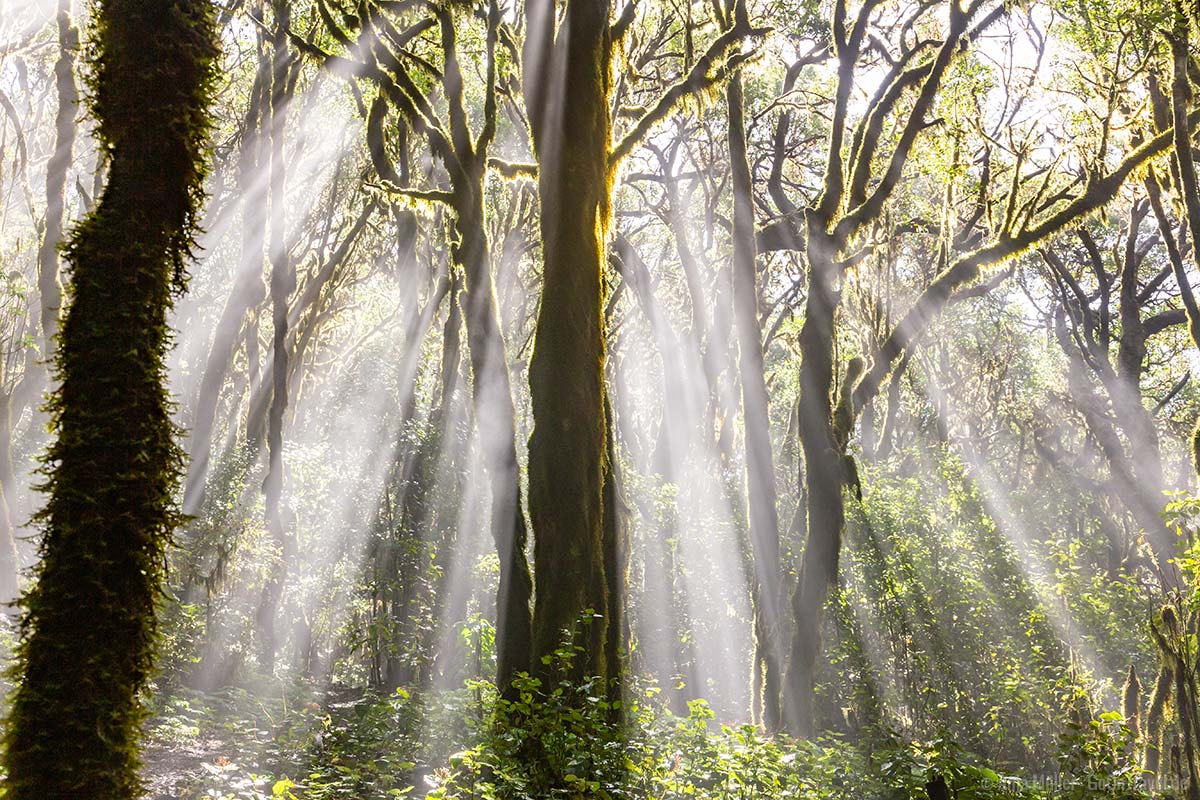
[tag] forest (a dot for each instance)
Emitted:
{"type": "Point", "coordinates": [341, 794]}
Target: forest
{"type": "Point", "coordinates": [614, 399]}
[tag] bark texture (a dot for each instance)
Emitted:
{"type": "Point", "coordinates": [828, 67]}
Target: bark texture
{"type": "Point", "coordinates": [87, 637]}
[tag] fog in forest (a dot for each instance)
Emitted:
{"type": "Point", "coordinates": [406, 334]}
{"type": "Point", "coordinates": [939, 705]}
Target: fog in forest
{"type": "Point", "coordinates": [589, 399]}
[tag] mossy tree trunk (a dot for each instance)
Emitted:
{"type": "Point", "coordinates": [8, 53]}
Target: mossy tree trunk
{"type": "Point", "coordinates": [87, 639]}
{"type": "Point", "coordinates": [574, 493]}
{"type": "Point", "coordinates": [568, 83]}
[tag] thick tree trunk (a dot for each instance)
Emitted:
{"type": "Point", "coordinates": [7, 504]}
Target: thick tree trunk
{"type": "Point", "coordinates": [89, 628]}
{"type": "Point", "coordinates": [569, 447]}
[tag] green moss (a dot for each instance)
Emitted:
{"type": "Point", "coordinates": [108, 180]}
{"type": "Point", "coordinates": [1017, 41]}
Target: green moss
{"type": "Point", "coordinates": [88, 632]}
{"type": "Point", "coordinates": [569, 461]}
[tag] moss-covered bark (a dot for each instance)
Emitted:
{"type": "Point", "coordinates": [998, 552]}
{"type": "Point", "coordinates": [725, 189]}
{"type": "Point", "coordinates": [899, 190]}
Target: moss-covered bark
{"type": "Point", "coordinates": [88, 632]}
{"type": "Point", "coordinates": [567, 90]}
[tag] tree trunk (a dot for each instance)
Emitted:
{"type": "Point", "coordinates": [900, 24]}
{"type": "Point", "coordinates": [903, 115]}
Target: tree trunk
{"type": "Point", "coordinates": [33, 381]}
{"type": "Point", "coordinates": [766, 587]}
{"type": "Point", "coordinates": [495, 419]}
{"type": "Point", "coordinates": [822, 481]}
{"type": "Point", "coordinates": [56, 174]}
{"type": "Point", "coordinates": [283, 283]}
{"type": "Point", "coordinates": [90, 627]}
{"type": "Point", "coordinates": [568, 95]}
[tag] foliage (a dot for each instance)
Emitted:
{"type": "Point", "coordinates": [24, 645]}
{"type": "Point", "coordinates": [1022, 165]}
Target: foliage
{"type": "Point", "coordinates": [470, 744]}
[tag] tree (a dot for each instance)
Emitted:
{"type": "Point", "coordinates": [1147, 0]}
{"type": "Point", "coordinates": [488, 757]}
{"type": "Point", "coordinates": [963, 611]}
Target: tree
{"type": "Point", "coordinates": [1089, 323]}
{"type": "Point", "coordinates": [87, 636]}
{"type": "Point", "coordinates": [282, 285]}
{"type": "Point", "coordinates": [567, 85]}
{"type": "Point", "coordinates": [766, 586]}
{"type": "Point", "coordinates": [465, 156]}
{"type": "Point", "coordinates": [862, 171]}
{"type": "Point", "coordinates": [573, 497]}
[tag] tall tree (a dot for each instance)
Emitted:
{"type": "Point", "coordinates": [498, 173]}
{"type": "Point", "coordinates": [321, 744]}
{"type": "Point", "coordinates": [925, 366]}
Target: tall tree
{"type": "Point", "coordinates": [760, 463]}
{"type": "Point", "coordinates": [464, 154]}
{"type": "Point", "coordinates": [862, 171]}
{"type": "Point", "coordinates": [87, 636]}
{"type": "Point", "coordinates": [573, 502]}
{"type": "Point", "coordinates": [568, 83]}
{"type": "Point", "coordinates": [282, 285]}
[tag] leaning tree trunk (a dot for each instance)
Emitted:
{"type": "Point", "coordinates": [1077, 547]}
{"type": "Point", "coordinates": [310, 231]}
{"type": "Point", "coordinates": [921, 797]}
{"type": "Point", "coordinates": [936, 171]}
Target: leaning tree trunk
{"type": "Point", "coordinates": [568, 449]}
{"type": "Point", "coordinates": [496, 422]}
{"type": "Point", "coordinates": [87, 641]}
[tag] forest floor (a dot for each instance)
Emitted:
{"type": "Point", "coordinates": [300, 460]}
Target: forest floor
{"type": "Point", "coordinates": [173, 770]}
{"type": "Point", "coordinates": [300, 743]}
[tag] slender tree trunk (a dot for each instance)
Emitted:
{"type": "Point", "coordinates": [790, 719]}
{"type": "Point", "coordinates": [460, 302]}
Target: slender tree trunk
{"type": "Point", "coordinates": [88, 634]}
{"type": "Point", "coordinates": [495, 419]}
{"type": "Point", "coordinates": [1145, 492]}
{"type": "Point", "coordinates": [823, 481]}
{"type": "Point", "coordinates": [766, 587]}
{"type": "Point", "coordinates": [56, 174]}
{"type": "Point", "coordinates": [283, 283]}
{"type": "Point", "coordinates": [33, 381]}
{"type": "Point", "coordinates": [1185, 164]}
